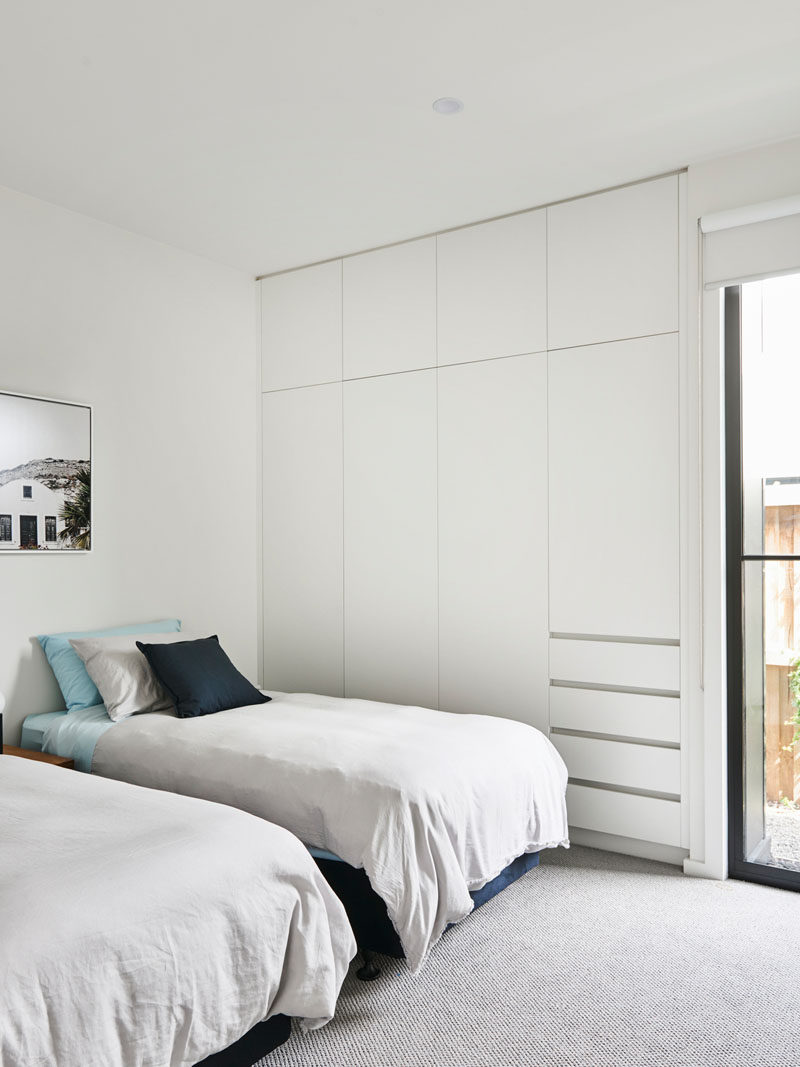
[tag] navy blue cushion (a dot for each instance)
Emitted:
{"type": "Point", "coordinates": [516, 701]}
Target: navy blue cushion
{"type": "Point", "coordinates": [199, 677]}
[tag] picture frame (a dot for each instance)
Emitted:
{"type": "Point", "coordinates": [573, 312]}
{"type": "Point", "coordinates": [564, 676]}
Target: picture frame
{"type": "Point", "coordinates": [46, 498]}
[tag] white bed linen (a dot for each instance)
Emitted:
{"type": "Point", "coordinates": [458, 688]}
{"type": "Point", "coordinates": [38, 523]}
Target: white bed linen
{"type": "Point", "coordinates": [430, 804]}
{"type": "Point", "coordinates": [142, 928]}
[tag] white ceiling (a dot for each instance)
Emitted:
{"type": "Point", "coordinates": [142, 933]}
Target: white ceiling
{"type": "Point", "coordinates": [267, 134]}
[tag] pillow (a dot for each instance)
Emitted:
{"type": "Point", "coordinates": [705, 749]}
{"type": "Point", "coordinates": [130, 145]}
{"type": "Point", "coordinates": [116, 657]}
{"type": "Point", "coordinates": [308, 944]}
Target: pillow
{"type": "Point", "coordinates": [78, 688]}
{"type": "Point", "coordinates": [122, 674]}
{"type": "Point", "coordinates": [199, 677]}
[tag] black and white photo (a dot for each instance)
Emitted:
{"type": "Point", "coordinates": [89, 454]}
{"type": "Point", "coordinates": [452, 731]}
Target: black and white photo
{"type": "Point", "coordinates": [45, 475]}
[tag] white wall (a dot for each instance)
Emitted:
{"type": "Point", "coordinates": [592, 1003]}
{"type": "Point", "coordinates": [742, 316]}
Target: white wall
{"type": "Point", "coordinates": [162, 344]}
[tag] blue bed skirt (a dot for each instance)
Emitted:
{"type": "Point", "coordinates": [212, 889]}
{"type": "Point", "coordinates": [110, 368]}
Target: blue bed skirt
{"type": "Point", "coordinates": [521, 865]}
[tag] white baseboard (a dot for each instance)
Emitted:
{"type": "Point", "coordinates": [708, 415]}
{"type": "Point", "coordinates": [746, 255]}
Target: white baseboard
{"type": "Point", "coordinates": [699, 869]}
{"type": "Point", "coordinates": [628, 846]}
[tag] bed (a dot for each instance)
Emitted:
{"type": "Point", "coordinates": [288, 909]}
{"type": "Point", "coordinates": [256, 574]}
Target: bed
{"type": "Point", "coordinates": [433, 810]}
{"type": "Point", "coordinates": [143, 927]}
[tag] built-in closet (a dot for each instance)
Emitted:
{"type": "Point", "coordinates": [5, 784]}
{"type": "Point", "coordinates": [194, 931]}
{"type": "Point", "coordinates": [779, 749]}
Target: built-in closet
{"type": "Point", "coordinates": [471, 488]}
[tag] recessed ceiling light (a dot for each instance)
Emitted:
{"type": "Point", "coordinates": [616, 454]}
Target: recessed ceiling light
{"type": "Point", "coordinates": [447, 105]}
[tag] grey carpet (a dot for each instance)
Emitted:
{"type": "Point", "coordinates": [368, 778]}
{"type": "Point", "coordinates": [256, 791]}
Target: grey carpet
{"type": "Point", "coordinates": [593, 960]}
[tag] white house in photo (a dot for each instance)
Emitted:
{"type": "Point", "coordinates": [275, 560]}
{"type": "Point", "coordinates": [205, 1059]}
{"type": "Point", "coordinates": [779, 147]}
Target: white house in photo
{"type": "Point", "coordinates": [30, 515]}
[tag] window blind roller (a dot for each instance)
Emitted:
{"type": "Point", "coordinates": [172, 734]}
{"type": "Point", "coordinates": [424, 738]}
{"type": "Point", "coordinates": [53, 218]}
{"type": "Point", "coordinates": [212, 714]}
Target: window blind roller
{"type": "Point", "coordinates": [750, 243]}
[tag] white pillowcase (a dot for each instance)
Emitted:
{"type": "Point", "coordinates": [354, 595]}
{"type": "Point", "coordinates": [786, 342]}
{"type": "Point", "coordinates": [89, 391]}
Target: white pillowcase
{"type": "Point", "coordinates": [121, 673]}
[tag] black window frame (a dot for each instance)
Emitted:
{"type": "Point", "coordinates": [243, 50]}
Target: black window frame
{"type": "Point", "coordinates": [738, 866]}
{"type": "Point", "coordinates": [6, 526]}
{"type": "Point", "coordinates": [50, 523]}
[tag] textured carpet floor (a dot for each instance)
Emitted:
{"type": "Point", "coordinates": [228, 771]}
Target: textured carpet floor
{"type": "Point", "coordinates": [593, 960]}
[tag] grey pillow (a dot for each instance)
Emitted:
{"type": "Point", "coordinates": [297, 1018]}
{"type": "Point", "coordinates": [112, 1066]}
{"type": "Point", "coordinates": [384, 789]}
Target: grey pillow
{"type": "Point", "coordinates": [122, 675]}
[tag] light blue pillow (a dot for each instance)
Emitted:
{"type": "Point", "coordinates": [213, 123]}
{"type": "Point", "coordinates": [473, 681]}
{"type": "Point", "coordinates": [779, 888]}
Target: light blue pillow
{"type": "Point", "coordinates": [78, 688]}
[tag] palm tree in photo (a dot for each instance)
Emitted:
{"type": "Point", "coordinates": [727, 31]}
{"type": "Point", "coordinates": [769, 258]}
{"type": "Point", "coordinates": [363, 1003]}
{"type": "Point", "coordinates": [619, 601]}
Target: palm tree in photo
{"type": "Point", "coordinates": [76, 512]}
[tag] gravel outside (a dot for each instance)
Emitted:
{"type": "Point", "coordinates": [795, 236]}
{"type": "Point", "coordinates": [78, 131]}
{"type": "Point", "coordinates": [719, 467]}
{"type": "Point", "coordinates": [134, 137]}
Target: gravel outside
{"type": "Point", "coordinates": [783, 826]}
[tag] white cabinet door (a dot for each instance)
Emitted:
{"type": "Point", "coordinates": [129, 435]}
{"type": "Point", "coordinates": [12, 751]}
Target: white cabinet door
{"type": "Point", "coordinates": [390, 538]}
{"type": "Point", "coordinates": [301, 327]}
{"type": "Point", "coordinates": [492, 289]}
{"type": "Point", "coordinates": [493, 538]}
{"type": "Point", "coordinates": [613, 265]}
{"type": "Point", "coordinates": [613, 428]}
{"type": "Point", "coordinates": [302, 538]}
{"type": "Point", "coordinates": [390, 309]}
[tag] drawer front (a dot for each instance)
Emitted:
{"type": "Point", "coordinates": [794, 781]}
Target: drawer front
{"type": "Point", "coordinates": [656, 770]}
{"type": "Point", "coordinates": [616, 663]}
{"type": "Point", "coordinates": [651, 718]}
{"type": "Point", "coordinates": [623, 814]}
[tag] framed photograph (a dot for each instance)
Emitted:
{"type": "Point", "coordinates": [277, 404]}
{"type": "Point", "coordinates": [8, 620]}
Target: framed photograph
{"type": "Point", "coordinates": [45, 475]}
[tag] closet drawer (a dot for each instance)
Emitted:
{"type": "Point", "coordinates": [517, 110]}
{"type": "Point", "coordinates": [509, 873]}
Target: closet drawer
{"type": "Point", "coordinates": [616, 663]}
{"type": "Point", "coordinates": [657, 770]}
{"type": "Point", "coordinates": [651, 718]}
{"type": "Point", "coordinates": [642, 818]}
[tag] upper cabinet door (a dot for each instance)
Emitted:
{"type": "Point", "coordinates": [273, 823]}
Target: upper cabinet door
{"type": "Point", "coordinates": [301, 327]}
{"type": "Point", "coordinates": [614, 463]}
{"type": "Point", "coordinates": [492, 289]}
{"type": "Point", "coordinates": [613, 265]}
{"type": "Point", "coordinates": [390, 309]}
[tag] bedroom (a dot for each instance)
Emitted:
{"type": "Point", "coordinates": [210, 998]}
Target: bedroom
{"type": "Point", "coordinates": [429, 408]}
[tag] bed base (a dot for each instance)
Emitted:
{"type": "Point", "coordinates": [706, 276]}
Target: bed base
{"type": "Point", "coordinates": [369, 918]}
{"type": "Point", "coordinates": [256, 1043]}
{"type": "Point", "coordinates": [369, 970]}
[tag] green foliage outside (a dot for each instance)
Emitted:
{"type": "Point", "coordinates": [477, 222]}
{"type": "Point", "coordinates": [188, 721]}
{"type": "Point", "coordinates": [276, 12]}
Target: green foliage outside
{"type": "Point", "coordinates": [794, 689]}
{"type": "Point", "coordinates": [76, 513]}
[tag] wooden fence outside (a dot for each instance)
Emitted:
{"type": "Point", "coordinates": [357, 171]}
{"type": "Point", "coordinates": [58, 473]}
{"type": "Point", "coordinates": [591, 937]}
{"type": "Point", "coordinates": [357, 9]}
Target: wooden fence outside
{"type": "Point", "coordinates": [782, 757]}
{"type": "Point", "coordinates": [781, 640]}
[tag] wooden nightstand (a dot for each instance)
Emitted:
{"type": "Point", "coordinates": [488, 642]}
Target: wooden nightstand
{"type": "Point", "coordinates": [40, 757]}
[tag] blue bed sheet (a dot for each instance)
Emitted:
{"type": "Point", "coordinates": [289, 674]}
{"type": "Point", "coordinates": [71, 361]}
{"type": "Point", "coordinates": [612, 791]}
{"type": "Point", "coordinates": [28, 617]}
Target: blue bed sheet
{"type": "Point", "coordinates": [33, 729]}
{"type": "Point", "coordinates": [72, 734]}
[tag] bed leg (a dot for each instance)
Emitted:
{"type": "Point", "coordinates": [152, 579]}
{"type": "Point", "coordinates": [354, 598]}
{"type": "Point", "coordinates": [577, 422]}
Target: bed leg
{"type": "Point", "coordinates": [370, 970]}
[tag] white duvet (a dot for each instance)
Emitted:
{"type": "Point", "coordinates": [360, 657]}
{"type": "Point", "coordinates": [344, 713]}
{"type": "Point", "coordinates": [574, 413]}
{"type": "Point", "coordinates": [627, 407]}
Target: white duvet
{"type": "Point", "coordinates": [141, 928]}
{"type": "Point", "coordinates": [430, 804]}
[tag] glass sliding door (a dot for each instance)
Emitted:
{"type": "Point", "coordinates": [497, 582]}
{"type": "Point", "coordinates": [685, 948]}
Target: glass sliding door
{"type": "Point", "coordinates": [762, 355]}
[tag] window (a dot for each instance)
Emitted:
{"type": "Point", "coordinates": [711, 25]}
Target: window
{"type": "Point", "coordinates": [27, 492]}
{"type": "Point", "coordinates": [762, 330]}
{"type": "Point", "coordinates": [5, 527]}
{"type": "Point", "coordinates": [49, 527]}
